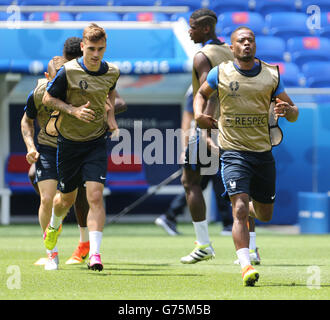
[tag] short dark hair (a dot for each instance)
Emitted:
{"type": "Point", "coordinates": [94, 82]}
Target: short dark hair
{"type": "Point", "coordinates": [205, 16]}
{"type": "Point", "coordinates": [71, 48]}
{"type": "Point", "coordinates": [238, 29]}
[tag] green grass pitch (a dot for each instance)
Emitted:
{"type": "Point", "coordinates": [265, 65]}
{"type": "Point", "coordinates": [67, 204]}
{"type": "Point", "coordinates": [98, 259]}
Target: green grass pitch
{"type": "Point", "coordinates": [141, 262]}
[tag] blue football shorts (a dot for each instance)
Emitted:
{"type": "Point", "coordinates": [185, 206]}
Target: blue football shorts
{"type": "Point", "coordinates": [253, 173]}
{"type": "Point", "coordinates": [78, 162]}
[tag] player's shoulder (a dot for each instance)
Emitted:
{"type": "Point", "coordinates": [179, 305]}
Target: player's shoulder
{"type": "Point", "coordinates": [273, 68]}
{"type": "Point", "coordinates": [226, 64]}
{"type": "Point", "coordinates": [112, 68]}
{"type": "Point", "coordinates": [40, 88]}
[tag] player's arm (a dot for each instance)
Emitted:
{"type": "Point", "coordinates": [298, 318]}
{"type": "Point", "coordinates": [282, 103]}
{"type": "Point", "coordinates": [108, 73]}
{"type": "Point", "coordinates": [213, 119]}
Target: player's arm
{"type": "Point", "coordinates": [203, 94]}
{"type": "Point", "coordinates": [203, 67]}
{"type": "Point", "coordinates": [54, 98]}
{"type": "Point", "coordinates": [111, 119]}
{"type": "Point", "coordinates": [27, 130]}
{"type": "Point", "coordinates": [284, 107]}
{"type": "Point", "coordinates": [120, 104]}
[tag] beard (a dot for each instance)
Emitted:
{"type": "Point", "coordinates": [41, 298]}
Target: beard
{"type": "Point", "coordinates": [246, 58]}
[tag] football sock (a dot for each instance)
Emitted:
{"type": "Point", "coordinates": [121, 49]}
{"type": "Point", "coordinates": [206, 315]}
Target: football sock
{"type": "Point", "coordinates": [51, 251]}
{"type": "Point", "coordinates": [243, 257]}
{"type": "Point", "coordinates": [95, 239]}
{"type": "Point", "coordinates": [84, 234]}
{"type": "Point", "coordinates": [55, 221]}
{"type": "Point", "coordinates": [252, 244]}
{"type": "Point", "coordinates": [202, 232]}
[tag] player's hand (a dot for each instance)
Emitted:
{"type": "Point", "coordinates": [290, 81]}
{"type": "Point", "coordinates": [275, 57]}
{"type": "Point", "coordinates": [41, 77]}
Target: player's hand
{"type": "Point", "coordinates": [84, 113]}
{"type": "Point", "coordinates": [281, 108]}
{"type": "Point", "coordinates": [32, 156]}
{"type": "Point", "coordinates": [206, 122]}
{"type": "Point", "coordinates": [115, 133]}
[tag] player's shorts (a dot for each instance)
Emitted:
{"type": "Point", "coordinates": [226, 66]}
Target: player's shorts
{"type": "Point", "coordinates": [253, 173]}
{"type": "Point", "coordinates": [197, 154]}
{"type": "Point", "coordinates": [46, 164]}
{"type": "Point", "coordinates": [78, 162]}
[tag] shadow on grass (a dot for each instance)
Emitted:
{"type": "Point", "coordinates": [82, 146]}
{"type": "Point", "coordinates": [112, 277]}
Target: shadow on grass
{"type": "Point", "coordinates": [291, 265]}
{"type": "Point", "coordinates": [295, 285]}
{"type": "Point", "coordinates": [107, 272]}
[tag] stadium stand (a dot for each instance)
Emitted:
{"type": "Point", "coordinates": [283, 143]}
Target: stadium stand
{"type": "Point", "coordinates": [177, 16]}
{"type": "Point", "coordinates": [145, 16]}
{"type": "Point", "coordinates": [229, 6]}
{"type": "Point", "coordinates": [290, 73]}
{"type": "Point", "coordinates": [51, 16]}
{"type": "Point", "coordinates": [4, 16]}
{"type": "Point", "coordinates": [287, 24]}
{"type": "Point", "coordinates": [192, 4]}
{"type": "Point", "coordinates": [229, 21]}
{"type": "Point", "coordinates": [325, 24]}
{"type": "Point", "coordinates": [98, 16]}
{"type": "Point", "coordinates": [270, 48]}
{"type": "Point", "coordinates": [324, 5]}
{"type": "Point", "coordinates": [87, 2]}
{"type": "Point", "coordinates": [39, 2]}
{"type": "Point", "coordinates": [135, 2]}
{"type": "Point", "coordinates": [265, 7]}
{"type": "Point", "coordinates": [16, 174]}
{"type": "Point", "coordinates": [307, 49]}
{"type": "Point", "coordinates": [317, 74]}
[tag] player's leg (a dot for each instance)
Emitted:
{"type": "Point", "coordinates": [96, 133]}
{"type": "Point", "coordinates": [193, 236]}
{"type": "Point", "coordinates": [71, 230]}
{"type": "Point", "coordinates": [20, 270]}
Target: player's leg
{"type": "Point", "coordinates": [224, 206]}
{"type": "Point", "coordinates": [47, 190]}
{"type": "Point", "coordinates": [254, 250]}
{"type": "Point", "coordinates": [61, 205]}
{"type": "Point", "coordinates": [32, 177]}
{"type": "Point", "coordinates": [95, 222]}
{"type": "Point", "coordinates": [194, 195]}
{"type": "Point", "coordinates": [241, 238]}
{"type": "Point", "coordinates": [237, 173]}
{"type": "Point", "coordinates": [81, 209]}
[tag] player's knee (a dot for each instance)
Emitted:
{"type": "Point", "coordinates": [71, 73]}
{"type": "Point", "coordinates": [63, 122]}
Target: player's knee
{"type": "Point", "coordinates": [240, 212]}
{"type": "Point", "coordinates": [95, 198]}
{"type": "Point", "coordinates": [46, 200]}
{"type": "Point", "coordinates": [189, 184]}
{"type": "Point", "coordinates": [63, 201]}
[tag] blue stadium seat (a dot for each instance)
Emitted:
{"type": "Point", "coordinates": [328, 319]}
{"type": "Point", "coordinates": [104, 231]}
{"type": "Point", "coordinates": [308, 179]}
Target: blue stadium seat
{"type": "Point", "coordinates": [270, 48]}
{"type": "Point", "coordinates": [51, 16]}
{"type": "Point", "coordinates": [192, 4]}
{"type": "Point", "coordinates": [269, 6]}
{"type": "Point", "coordinates": [307, 49]}
{"type": "Point", "coordinates": [185, 15]}
{"type": "Point", "coordinates": [324, 5]}
{"type": "Point", "coordinates": [325, 24]}
{"type": "Point", "coordinates": [145, 16]}
{"type": "Point", "coordinates": [86, 2]}
{"type": "Point", "coordinates": [290, 73]}
{"type": "Point", "coordinates": [134, 2]}
{"type": "Point", "coordinates": [317, 74]}
{"type": "Point", "coordinates": [39, 2]}
{"type": "Point", "coordinates": [4, 16]}
{"type": "Point", "coordinates": [287, 24]}
{"type": "Point", "coordinates": [229, 21]}
{"type": "Point", "coordinates": [229, 6]}
{"type": "Point", "coordinates": [98, 16]}
{"type": "Point", "coordinates": [5, 2]}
